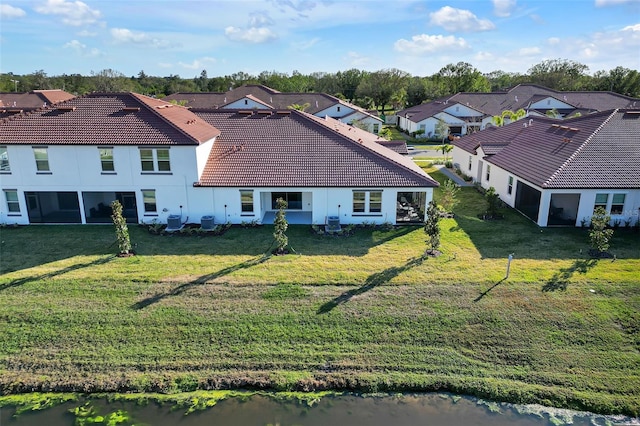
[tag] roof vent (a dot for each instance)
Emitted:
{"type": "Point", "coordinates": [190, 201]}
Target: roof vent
{"type": "Point", "coordinates": [66, 108]}
{"type": "Point", "coordinates": [131, 109]}
{"type": "Point", "coordinates": [245, 112]}
{"type": "Point", "coordinates": [164, 106]}
{"type": "Point", "coordinates": [264, 112]}
{"type": "Point", "coordinates": [284, 112]}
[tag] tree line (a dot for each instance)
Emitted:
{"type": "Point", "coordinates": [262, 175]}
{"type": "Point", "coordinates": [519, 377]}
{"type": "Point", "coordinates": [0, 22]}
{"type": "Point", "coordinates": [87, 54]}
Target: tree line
{"type": "Point", "coordinates": [379, 89]}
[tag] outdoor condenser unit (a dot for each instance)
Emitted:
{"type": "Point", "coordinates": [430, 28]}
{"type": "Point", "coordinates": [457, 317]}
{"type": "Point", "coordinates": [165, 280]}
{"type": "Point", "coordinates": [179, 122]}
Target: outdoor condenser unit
{"type": "Point", "coordinates": [174, 221]}
{"type": "Point", "coordinates": [206, 222]}
{"type": "Point", "coordinates": [333, 223]}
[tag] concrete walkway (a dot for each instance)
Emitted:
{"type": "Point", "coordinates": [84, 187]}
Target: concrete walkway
{"type": "Point", "coordinates": [451, 175]}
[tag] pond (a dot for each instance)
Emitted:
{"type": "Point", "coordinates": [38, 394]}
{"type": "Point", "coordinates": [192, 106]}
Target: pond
{"type": "Point", "coordinates": [262, 409]}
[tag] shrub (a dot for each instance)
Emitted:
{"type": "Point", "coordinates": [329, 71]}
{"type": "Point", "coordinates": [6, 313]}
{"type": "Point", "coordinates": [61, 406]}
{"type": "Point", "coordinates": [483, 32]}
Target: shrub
{"type": "Point", "coordinates": [599, 236]}
{"type": "Point", "coordinates": [280, 225]}
{"type": "Point", "coordinates": [122, 231]}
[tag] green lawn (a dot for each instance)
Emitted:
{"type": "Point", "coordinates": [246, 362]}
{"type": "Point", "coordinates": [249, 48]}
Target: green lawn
{"type": "Point", "coordinates": [363, 312]}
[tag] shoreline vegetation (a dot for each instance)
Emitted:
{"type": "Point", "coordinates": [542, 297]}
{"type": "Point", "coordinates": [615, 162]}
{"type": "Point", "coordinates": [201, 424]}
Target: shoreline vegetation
{"type": "Point", "coordinates": [361, 313]}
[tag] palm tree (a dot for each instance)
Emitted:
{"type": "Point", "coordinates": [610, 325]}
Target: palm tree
{"type": "Point", "coordinates": [299, 107]}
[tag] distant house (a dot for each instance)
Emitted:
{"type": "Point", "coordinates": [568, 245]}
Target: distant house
{"type": "Point", "coordinates": [16, 102]}
{"type": "Point", "coordinates": [261, 97]}
{"type": "Point", "coordinates": [556, 172]}
{"type": "Point", "coordinates": [67, 163]}
{"type": "Point", "coordinates": [467, 113]}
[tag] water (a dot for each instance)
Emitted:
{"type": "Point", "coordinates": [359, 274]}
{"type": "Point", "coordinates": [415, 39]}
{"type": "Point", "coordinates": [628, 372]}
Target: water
{"type": "Point", "coordinates": [414, 410]}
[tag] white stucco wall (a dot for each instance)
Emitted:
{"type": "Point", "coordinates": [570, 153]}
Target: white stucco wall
{"type": "Point", "coordinates": [335, 111]}
{"type": "Point", "coordinates": [245, 103]}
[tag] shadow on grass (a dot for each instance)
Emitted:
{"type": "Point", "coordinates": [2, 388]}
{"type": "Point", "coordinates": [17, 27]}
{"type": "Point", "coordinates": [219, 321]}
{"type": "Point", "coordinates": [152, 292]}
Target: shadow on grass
{"type": "Point", "coordinates": [484, 293]}
{"type": "Point", "coordinates": [25, 280]}
{"type": "Point", "coordinates": [199, 281]}
{"type": "Point", "coordinates": [560, 280]}
{"type": "Point", "coordinates": [372, 281]}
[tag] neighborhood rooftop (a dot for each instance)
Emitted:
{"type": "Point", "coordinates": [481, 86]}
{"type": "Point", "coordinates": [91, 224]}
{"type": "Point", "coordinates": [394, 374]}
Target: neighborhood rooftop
{"type": "Point", "coordinates": [599, 150]}
{"type": "Point", "coordinates": [291, 148]}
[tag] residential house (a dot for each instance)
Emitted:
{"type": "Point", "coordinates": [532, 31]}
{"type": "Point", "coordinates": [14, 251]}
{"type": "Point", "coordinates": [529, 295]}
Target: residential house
{"type": "Point", "coordinates": [164, 162]}
{"type": "Point", "coordinates": [556, 172]}
{"type": "Point", "coordinates": [17, 102]}
{"type": "Point", "coordinates": [254, 96]}
{"type": "Point", "coordinates": [467, 113]}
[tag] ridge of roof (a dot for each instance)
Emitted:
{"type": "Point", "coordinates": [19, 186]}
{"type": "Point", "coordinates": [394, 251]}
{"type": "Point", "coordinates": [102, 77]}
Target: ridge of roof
{"type": "Point", "coordinates": [373, 146]}
{"type": "Point", "coordinates": [580, 148]}
{"type": "Point", "coordinates": [147, 102]}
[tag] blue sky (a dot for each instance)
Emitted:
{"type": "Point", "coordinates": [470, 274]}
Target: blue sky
{"type": "Point", "coordinates": [184, 37]}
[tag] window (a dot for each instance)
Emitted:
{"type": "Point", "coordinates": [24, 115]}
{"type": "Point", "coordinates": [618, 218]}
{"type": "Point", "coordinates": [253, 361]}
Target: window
{"type": "Point", "coordinates": [149, 200]}
{"type": "Point", "coordinates": [488, 172]}
{"type": "Point", "coordinates": [4, 160]}
{"type": "Point", "coordinates": [106, 159]}
{"type": "Point", "coordinates": [376, 128]}
{"type": "Point", "coordinates": [358, 201]}
{"type": "Point", "coordinates": [155, 160]}
{"type": "Point", "coordinates": [13, 206]}
{"type": "Point", "coordinates": [338, 109]}
{"type": "Point", "coordinates": [617, 203]}
{"type": "Point", "coordinates": [367, 201]}
{"type": "Point", "coordinates": [601, 201]}
{"type": "Point", "coordinates": [246, 201]}
{"type": "Point", "coordinates": [470, 161]}
{"type": "Point", "coordinates": [510, 185]}
{"type": "Point", "coordinates": [42, 159]}
{"type": "Point", "coordinates": [375, 202]}
{"type": "Point", "coordinates": [293, 199]}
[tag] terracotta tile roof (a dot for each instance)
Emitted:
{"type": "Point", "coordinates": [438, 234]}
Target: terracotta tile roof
{"type": "Point", "coordinates": [399, 146]}
{"type": "Point", "coordinates": [111, 119]}
{"type": "Point", "coordinates": [33, 100]}
{"type": "Point", "coordinates": [600, 150]}
{"type": "Point", "coordinates": [293, 149]}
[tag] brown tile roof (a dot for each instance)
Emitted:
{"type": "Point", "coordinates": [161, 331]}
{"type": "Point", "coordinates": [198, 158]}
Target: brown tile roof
{"type": "Point", "coordinates": [111, 119]}
{"type": "Point", "coordinates": [600, 150]}
{"type": "Point", "coordinates": [277, 100]}
{"type": "Point", "coordinates": [399, 146]}
{"type": "Point", "coordinates": [32, 100]}
{"type": "Point", "coordinates": [522, 96]}
{"type": "Point", "coordinates": [293, 149]}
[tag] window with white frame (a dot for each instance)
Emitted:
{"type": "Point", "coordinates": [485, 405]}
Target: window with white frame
{"type": "Point", "coordinates": [106, 159]}
{"type": "Point", "coordinates": [42, 159]}
{"type": "Point", "coordinates": [149, 200]}
{"type": "Point", "coordinates": [367, 202]}
{"type": "Point", "coordinates": [617, 203]}
{"type": "Point", "coordinates": [510, 185]}
{"type": "Point", "coordinates": [13, 205]}
{"type": "Point", "coordinates": [155, 160]}
{"type": "Point", "coordinates": [488, 174]}
{"type": "Point", "coordinates": [246, 202]}
{"type": "Point", "coordinates": [601, 201]}
{"type": "Point", "coordinates": [4, 160]}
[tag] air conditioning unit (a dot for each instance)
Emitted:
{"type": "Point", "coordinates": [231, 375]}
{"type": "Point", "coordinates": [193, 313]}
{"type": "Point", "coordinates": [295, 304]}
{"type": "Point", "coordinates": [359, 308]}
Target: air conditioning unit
{"type": "Point", "coordinates": [174, 221]}
{"type": "Point", "coordinates": [333, 223]}
{"type": "Point", "coordinates": [206, 222]}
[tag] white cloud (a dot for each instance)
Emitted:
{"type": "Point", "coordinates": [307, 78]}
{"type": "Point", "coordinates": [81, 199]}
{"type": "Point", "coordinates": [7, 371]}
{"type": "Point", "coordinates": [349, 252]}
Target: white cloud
{"type": "Point", "coordinates": [553, 41]}
{"type": "Point", "coordinates": [503, 8]}
{"type": "Point", "coordinates": [260, 19]}
{"type": "Point", "coordinates": [424, 43]}
{"type": "Point", "coordinates": [82, 50]}
{"type": "Point", "coordinates": [250, 35]}
{"type": "Point", "coordinates": [198, 63]}
{"type": "Point", "coordinates": [459, 20]}
{"type": "Point", "coordinates": [8, 12]}
{"type": "Point", "coordinates": [602, 3]}
{"type": "Point", "coordinates": [304, 45]}
{"type": "Point", "coordinates": [87, 33]}
{"type": "Point", "coordinates": [633, 28]}
{"type": "Point", "coordinates": [529, 51]}
{"type": "Point", "coordinates": [355, 59]}
{"type": "Point", "coordinates": [73, 13]}
{"type": "Point", "coordinates": [123, 35]}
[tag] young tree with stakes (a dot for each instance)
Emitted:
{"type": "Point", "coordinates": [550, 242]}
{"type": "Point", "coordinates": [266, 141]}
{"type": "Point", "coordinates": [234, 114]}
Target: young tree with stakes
{"type": "Point", "coordinates": [122, 231]}
{"type": "Point", "coordinates": [599, 236]}
{"type": "Point", "coordinates": [432, 229]}
{"type": "Point", "coordinates": [280, 225]}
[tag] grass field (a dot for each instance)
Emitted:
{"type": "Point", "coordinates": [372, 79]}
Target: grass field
{"type": "Point", "coordinates": [361, 312]}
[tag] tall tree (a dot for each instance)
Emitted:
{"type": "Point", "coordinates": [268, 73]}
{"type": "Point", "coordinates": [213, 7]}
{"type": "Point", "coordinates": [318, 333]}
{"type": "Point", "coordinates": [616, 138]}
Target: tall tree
{"type": "Point", "coordinates": [462, 77]}
{"type": "Point", "coordinates": [349, 81]}
{"type": "Point", "coordinates": [381, 85]}
{"type": "Point", "coordinates": [416, 91]}
{"type": "Point", "coordinates": [559, 74]}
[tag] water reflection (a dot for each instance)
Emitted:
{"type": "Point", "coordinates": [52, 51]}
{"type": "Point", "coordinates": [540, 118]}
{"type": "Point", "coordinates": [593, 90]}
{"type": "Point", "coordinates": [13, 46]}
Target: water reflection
{"type": "Point", "coordinates": [422, 409]}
